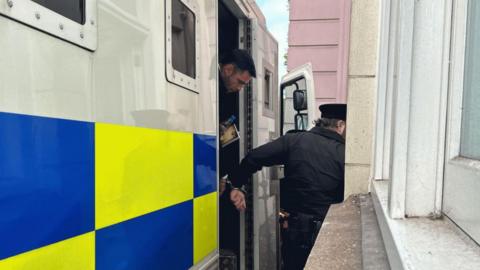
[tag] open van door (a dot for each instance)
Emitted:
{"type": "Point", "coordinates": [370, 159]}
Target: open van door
{"type": "Point", "coordinates": [297, 100]}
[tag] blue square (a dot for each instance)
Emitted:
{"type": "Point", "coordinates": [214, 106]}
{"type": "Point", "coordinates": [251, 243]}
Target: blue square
{"type": "Point", "coordinates": [158, 240]}
{"type": "Point", "coordinates": [46, 181]}
{"type": "Point", "coordinates": [205, 162]}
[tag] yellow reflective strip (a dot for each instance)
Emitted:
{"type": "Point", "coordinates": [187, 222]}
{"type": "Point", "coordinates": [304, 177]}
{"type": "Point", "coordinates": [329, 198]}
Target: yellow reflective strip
{"type": "Point", "coordinates": [76, 253]}
{"type": "Point", "coordinates": [140, 170]}
{"type": "Point", "coordinates": [205, 225]}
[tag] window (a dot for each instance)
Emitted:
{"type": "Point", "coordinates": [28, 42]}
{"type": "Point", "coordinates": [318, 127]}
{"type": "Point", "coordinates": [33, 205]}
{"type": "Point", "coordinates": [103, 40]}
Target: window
{"type": "Point", "coordinates": [470, 138]}
{"type": "Point", "coordinates": [182, 48]}
{"type": "Point", "coordinates": [267, 90]}
{"type": "Point", "coordinates": [70, 20]}
{"type": "Point", "coordinates": [72, 9]}
{"type": "Point", "coordinates": [461, 184]}
{"type": "Point", "coordinates": [183, 39]}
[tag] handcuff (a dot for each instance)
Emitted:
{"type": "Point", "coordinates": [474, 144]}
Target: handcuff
{"type": "Point", "coordinates": [228, 184]}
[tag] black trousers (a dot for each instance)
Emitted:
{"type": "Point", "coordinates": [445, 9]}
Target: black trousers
{"type": "Point", "coordinates": [299, 238]}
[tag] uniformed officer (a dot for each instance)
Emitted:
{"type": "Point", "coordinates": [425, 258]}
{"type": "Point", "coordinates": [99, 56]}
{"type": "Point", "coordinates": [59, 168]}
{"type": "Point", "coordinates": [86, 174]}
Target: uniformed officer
{"type": "Point", "coordinates": [314, 179]}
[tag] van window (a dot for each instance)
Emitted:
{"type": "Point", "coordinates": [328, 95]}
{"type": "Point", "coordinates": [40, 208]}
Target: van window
{"type": "Point", "coordinates": [183, 39]}
{"type": "Point", "coordinates": [72, 9]}
{"type": "Point", "coordinates": [182, 50]}
{"type": "Point", "coordinates": [74, 21]}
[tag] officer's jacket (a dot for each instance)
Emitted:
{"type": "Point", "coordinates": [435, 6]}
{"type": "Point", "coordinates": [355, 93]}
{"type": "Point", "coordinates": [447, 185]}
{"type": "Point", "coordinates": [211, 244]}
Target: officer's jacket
{"type": "Point", "coordinates": [314, 169]}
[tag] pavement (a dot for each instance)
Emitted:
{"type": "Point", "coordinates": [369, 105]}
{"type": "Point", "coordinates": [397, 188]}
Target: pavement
{"type": "Point", "coordinates": [350, 238]}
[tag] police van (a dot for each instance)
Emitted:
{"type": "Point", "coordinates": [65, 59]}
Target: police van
{"type": "Point", "coordinates": [109, 127]}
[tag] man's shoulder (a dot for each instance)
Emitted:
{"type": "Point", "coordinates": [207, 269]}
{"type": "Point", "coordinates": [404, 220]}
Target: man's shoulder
{"type": "Point", "coordinates": [294, 131]}
{"type": "Point", "coordinates": [327, 134]}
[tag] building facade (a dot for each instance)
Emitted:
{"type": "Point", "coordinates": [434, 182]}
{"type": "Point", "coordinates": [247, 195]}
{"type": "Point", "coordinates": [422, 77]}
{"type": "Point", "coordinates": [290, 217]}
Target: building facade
{"type": "Point", "coordinates": [413, 140]}
{"type": "Point", "coordinates": [319, 33]}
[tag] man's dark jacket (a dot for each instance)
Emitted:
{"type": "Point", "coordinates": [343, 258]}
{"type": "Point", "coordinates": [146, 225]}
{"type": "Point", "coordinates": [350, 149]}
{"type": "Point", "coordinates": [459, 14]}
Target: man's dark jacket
{"type": "Point", "coordinates": [314, 169]}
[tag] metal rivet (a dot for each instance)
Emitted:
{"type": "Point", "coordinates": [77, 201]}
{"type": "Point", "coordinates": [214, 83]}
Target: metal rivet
{"type": "Point", "coordinates": [81, 35]}
{"type": "Point", "coordinates": [60, 26]}
{"type": "Point", "coordinates": [37, 15]}
{"type": "Point", "coordinates": [92, 22]}
{"type": "Point", "coordinates": [10, 3]}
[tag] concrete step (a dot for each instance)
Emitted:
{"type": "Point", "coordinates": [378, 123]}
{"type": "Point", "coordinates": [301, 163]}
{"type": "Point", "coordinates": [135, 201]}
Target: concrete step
{"type": "Point", "coordinates": [374, 255]}
{"type": "Point", "coordinates": [350, 238]}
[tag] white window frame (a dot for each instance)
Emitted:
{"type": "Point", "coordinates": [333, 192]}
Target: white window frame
{"type": "Point", "coordinates": [46, 20]}
{"type": "Point", "coordinates": [457, 88]}
{"type": "Point", "coordinates": [173, 75]}
{"type": "Point", "coordinates": [464, 170]}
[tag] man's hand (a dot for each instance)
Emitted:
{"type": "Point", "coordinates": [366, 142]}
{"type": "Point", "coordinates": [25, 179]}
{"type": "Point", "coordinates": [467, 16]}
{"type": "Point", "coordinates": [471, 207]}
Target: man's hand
{"type": "Point", "coordinates": [238, 199]}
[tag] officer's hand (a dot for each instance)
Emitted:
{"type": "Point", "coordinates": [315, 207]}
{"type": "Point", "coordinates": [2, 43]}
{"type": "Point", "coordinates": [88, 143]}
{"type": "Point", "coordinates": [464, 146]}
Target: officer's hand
{"type": "Point", "coordinates": [238, 199]}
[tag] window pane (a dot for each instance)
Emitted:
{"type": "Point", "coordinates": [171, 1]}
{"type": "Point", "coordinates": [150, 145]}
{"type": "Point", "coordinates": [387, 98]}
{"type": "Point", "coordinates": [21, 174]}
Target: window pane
{"type": "Point", "coordinates": [72, 9]}
{"type": "Point", "coordinates": [267, 90]}
{"type": "Point", "coordinates": [183, 39]}
{"type": "Point", "coordinates": [470, 142]}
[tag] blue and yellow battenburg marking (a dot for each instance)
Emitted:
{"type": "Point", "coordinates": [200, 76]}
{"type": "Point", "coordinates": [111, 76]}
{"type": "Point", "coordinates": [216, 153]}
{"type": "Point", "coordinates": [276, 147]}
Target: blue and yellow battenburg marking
{"type": "Point", "coordinates": [80, 195]}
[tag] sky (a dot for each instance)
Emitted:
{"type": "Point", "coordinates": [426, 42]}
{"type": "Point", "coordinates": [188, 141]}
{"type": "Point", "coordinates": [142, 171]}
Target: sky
{"type": "Point", "coordinates": [276, 13]}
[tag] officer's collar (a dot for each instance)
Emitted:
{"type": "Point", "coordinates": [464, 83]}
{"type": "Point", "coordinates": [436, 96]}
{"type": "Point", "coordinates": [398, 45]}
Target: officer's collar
{"type": "Point", "coordinates": [328, 133]}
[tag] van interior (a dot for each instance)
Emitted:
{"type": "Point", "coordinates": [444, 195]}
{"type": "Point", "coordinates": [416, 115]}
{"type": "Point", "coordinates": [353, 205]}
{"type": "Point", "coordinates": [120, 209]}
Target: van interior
{"type": "Point", "coordinates": [229, 231]}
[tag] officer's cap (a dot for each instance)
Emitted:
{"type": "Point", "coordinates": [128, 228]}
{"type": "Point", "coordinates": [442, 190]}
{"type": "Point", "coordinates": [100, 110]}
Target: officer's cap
{"type": "Point", "coordinates": [334, 111]}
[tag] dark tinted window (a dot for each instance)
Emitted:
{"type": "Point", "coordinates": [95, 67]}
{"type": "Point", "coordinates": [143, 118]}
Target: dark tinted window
{"type": "Point", "coordinates": [267, 94]}
{"type": "Point", "coordinates": [72, 9]}
{"type": "Point", "coordinates": [183, 39]}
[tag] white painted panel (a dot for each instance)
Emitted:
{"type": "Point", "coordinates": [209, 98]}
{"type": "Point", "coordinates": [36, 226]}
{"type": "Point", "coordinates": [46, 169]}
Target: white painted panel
{"type": "Point", "coordinates": [122, 82]}
{"type": "Point", "coordinates": [427, 119]}
{"type": "Point", "coordinates": [45, 19]}
{"type": "Point", "coordinates": [43, 75]}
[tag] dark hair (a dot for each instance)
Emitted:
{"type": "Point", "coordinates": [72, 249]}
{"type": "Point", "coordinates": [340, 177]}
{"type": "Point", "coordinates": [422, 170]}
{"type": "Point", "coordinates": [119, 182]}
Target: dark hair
{"type": "Point", "coordinates": [241, 59]}
{"type": "Point", "coordinates": [327, 122]}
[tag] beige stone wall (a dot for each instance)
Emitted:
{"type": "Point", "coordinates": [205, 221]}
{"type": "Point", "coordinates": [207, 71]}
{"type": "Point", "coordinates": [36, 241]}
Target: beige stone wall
{"type": "Point", "coordinates": [362, 84]}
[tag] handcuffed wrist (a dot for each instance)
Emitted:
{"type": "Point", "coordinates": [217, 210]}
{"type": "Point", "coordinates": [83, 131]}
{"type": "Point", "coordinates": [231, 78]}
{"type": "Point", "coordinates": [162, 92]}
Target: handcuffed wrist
{"type": "Point", "coordinates": [240, 189]}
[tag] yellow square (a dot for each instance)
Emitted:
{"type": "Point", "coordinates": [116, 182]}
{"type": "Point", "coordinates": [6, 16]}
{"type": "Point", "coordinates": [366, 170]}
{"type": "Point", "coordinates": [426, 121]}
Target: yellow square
{"type": "Point", "coordinates": [140, 170]}
{"type": "Point", "coordinates": [77, 253]}
{"type": "Point", "coordinates": [205, 225]}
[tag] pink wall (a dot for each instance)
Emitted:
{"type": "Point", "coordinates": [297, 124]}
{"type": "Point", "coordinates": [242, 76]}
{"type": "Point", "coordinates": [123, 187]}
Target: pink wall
{"type": "Point", "coordinates": [319, 33]}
